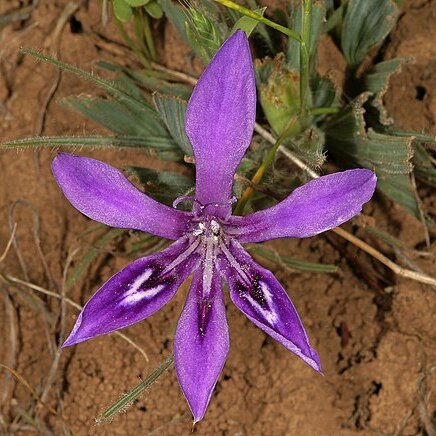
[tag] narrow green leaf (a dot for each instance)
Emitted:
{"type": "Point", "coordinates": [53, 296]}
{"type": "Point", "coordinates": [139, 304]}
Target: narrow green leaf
{"type": "Point", "coordinates": [90, 254]}
{"type": "Point", "coordinates": [296, 264]}
{"type": "Point", "coordinates": [164, 186]}
{"type": "Point", "coordinates": [164, 148]}
{"type": "Point", "coordinates": [111, 87]}
{"type": "Point", "coordinates": [248, 24]}
{"type": "Point", "coordinates": [366, 24]}
{"type": "Point", "coordinates": [172, 110]}
{"type": "Point", "coordinates": [127, 399]}
{"type": "Point", "coordinates": [399, 189]}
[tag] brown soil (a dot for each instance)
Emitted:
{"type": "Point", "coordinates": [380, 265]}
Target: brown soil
{"type": "Point", "coordinates": [375, 333]}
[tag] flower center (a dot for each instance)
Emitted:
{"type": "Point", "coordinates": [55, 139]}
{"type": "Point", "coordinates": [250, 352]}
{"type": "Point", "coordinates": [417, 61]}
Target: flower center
{"type": "Point", "coordinates": [209, 228]}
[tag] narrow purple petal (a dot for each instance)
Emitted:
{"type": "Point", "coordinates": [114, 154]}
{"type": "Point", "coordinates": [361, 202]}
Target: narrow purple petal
{"type": "Point", "coordinates": [201, 344]}
{"type": "Point", "coordinates": [136, 292]}
{"type": "Point", "coordinates": [315, 207]}
{"type": "Point", "coordinates": [220, 119]}
{"type": "Point", "coordinates": [103, 193]}
{"type": "Point", "coordinates": [257, 293]}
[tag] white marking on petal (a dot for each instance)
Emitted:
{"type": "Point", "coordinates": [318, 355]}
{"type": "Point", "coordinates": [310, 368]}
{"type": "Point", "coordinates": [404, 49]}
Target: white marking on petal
{"type": "Point", "coordinates": [269, 315]}
{"type": "Point", "coordinates": [138, 282]}
{"type": "Point", "coordinates": [192, 247]}
{"type": "Point", "coordinates": [147, 294]}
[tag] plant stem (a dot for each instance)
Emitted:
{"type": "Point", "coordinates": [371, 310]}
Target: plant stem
{"type": "Point", "coordinates": [239, 209]}
{"type": "Point", "coordinates": [249, 13]}
{"type": "Point", "coordinates": [306, 11]}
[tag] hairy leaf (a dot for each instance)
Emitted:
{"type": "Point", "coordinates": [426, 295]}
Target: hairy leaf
{"type": "Point", "coordinates": [366, 24]}
{"type": "Point", "coordinates": [172, 110]}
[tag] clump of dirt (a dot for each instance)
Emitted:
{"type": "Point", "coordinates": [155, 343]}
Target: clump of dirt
{"type": "Point", "coordinates": [376, 338]}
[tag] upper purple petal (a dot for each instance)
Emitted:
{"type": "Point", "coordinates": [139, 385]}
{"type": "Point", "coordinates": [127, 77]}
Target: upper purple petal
{"type": "Point", "coordinates": [135, 292]}
{"type": "Point", "coordinates": [257, 293]}
{"type": "Point", "coordinates": [201, 344]}
{"type": "Point", "coordinates": [315, 207]}
{"type": "Point", "coordinates": [220, 119]}
{"type": "Point", "coordinates": [103, 193]}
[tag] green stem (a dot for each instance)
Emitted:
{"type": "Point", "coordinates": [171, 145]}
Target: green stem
{"type": "Point", "coordinates": [306, 10]}
{"type": "Point", "coordinates": [249, 13]}
{"type": "Point", "coordinates": [239, 209]}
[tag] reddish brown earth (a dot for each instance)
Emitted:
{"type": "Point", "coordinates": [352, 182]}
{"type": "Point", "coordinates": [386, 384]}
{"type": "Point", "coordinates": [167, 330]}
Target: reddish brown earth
{"type": "Point", "coordinates": [375, 334]}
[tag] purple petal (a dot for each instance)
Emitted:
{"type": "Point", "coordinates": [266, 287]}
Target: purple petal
{"type": "Point", "coordinates": [315, 207]}
{"type": "Point", "coordinates": [257, 293]}
{"type": "Point", "coordinates": [201, 344]}
{"type": "Point", "coordinates": [136, 292]}
{"type": "Point", "coordinates": [103, 193]}
{"type": "Point", "coordinates": [220, 119]}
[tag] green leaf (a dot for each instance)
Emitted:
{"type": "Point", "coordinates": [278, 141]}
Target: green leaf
{"type": "Point", "coordinates": [90, 254]}
{"type": "Point", "coordinates": [349, 141]}
{"type": "Point", "coordinates": [164, 186]}
{"type": "Point", "coordinates": [295, 264]}
{"type": "Point", "coordinates": [399, 189]}
{"type": "Point", "coordinates": [132, 395]}
{"type": "Point", "coordinates": [317, 20]}
{"type": "Point", "coordinates": [122, 10]}
{"type": "Point", "coordinates": [376, 81]}
{"type": "Point", "coordinates": [154, 10]}
{"type": "Point", "coordinates": [117, 91]}
{"type": "Point", "coordinates": [150, 80]}
{"type": "Point", "coordinates": [366, 24]}
{"type": "Point", "coordinates": [172, 111]}
{"type": "Point", "coordinates": [390, 156]}
{"type": "Point", "coordinates": [165, 148]}
{"type": "Point", "coordinates": [248, 24]}
{"type": "Point", "coordinates": [136, 3]}
{"type": "Point", "coordinates": [425, 165]}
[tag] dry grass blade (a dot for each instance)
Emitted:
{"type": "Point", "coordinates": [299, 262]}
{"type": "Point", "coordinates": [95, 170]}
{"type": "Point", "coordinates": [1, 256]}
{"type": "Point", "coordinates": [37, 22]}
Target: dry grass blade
{"type": "Point", "coordinates": [9, 244]}
{"type": "Point", "coordinates": [24, 382]}
{"type": "Point", "coordinates": [14, 280]}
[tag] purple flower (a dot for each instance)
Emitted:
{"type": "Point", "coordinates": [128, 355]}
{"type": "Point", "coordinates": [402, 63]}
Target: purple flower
{"type": "Point", "coordinates": [219, 123]}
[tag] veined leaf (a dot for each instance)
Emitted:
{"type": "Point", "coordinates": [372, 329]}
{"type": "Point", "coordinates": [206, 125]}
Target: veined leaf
{"type": "Point", "coordinates": [164, 186]}
{"type": "Point", "coordinates": [376, 81]}
{"type": "Point", "coordinates": [165, 148]}
{"type": "Point", "coordinates": [317, 20]}
{"type": "Point", "coordinates": [113, 115]}
{"type": "Point", "coordinates": [172, 110]}
{"type": "Point", "coordinates": [150, 80]}
{"type": "Point", "coordinates": [296, 264]}
{"type": "Point", "coordinates": [349, 141]}
{"type": "Point", "coordinates": [389, 156]}
{"type": "Point", "coordinates": [366, 24]}
{"type": "Point", "coordinates": [399, 189]}
{"type": "Point", "coordinates": [425, 165]}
